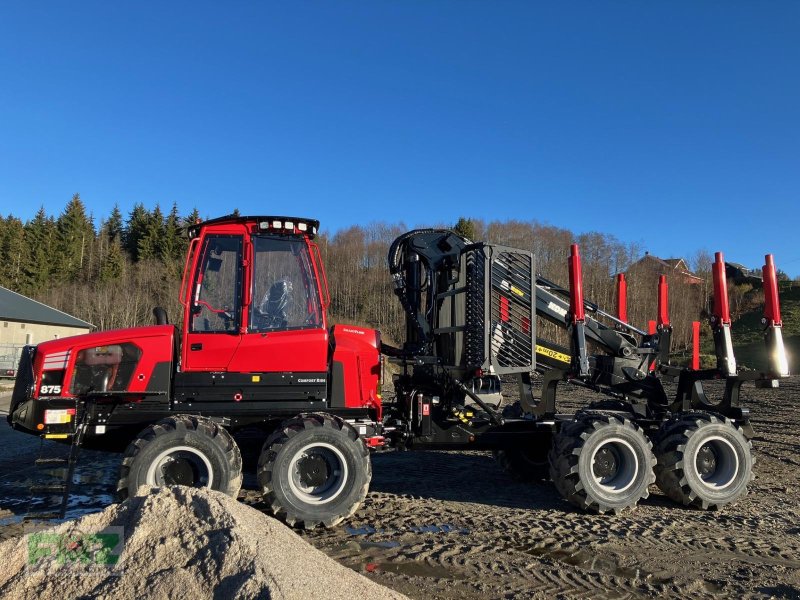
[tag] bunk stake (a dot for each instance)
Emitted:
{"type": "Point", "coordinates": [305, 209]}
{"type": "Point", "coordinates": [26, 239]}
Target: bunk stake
{"type": "Point", "coordinates": [773, 336]}
{"type": "Point", "coordinates": [721, 319]}
{"type": "Point", "coordinates": [664, 328]}
{"type": "Point", "coordinates": [577, 314]}
{"type": "Point", "coordinates": [622, 298]}
{"type": "Point", "coordinates": [651, 330]}
{"type": "Point", "coordinates": [696, 345]}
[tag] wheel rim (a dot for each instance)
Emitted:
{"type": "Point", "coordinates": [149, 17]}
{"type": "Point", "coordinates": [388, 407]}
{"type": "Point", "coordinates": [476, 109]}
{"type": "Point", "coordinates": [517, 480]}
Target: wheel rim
{"type": "Point", "coordinates": [717, 463]}
{"type": "Point", "coordinates": [615, 465]}
{"type": "Point", "coordinates": [318, 473]}
{"type": "Point", "coordinates": [181, 465]}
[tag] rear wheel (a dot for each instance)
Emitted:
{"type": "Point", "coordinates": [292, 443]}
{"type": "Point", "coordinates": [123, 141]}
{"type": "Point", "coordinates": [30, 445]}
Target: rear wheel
{"type": "Point", "coordinates": [182, 450]}
{"type": "Point", "coordinates": [601, 462]}
{"type": "Point", "coordinates": [704, 460]}
{"type": "Point", "coordinates": [314, 470]}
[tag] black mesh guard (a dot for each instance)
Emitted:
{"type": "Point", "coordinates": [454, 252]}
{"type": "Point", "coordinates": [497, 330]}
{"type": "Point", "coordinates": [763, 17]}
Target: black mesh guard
{"type": "Point", "coordinates": [512, 320]}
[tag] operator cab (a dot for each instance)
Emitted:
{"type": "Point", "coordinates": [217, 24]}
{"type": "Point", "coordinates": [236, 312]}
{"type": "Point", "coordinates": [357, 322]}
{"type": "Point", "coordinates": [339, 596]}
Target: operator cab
{"type": "Point", "coordinates": [254, 297]}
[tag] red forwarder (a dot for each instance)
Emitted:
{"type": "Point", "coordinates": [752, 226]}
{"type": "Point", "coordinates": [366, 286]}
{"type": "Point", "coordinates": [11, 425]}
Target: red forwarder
{"type": "Point", "coordinates": [256, 352]}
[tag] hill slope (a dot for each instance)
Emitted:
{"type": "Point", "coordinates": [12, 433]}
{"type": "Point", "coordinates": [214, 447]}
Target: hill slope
{"type": "Point", "coordinates": [748, 337]}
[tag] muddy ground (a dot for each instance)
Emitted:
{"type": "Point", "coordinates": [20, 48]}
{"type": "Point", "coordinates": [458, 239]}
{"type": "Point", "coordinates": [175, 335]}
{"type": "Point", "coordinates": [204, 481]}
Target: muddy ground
{"type": "Point", "coordinates": [452, 525]}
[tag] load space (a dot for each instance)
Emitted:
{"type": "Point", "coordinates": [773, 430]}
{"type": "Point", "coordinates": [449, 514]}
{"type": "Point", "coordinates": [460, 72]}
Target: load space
{"type": "Point", "coordinates": [256, 375]}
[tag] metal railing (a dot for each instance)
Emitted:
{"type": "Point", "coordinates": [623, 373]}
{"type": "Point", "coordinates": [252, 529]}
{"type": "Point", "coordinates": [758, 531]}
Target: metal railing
{"type": "Point", "coordinates": [9, 359]}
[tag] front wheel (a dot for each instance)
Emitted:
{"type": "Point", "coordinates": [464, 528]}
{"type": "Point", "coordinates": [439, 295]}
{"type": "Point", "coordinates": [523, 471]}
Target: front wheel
{"type": "Point", "coordinates": [314, 470]}
{"type": "Point", "coordinates": [182, 450]}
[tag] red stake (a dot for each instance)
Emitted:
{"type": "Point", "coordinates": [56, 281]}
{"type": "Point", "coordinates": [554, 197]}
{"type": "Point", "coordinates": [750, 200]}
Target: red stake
{"type": "Point", "coordinates": [772, 307]}
{"type": "Point", "coordinates": [576, 285]}
{"type": "Point", "coordinates": [622, 298]}
{"type": "Point", "coordinates": [721, 309]}
{"type": "Point", "coordinates": [663, 302]}
{"type": "Point", "coordinates": [696, 345]}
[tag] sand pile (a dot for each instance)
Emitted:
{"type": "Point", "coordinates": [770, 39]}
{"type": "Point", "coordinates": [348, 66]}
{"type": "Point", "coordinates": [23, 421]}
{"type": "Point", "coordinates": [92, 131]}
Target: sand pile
{"type": "Point", "coordinates": [183, 543]}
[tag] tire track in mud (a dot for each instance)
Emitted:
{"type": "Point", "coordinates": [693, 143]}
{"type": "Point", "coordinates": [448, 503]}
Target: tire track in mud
{"type": "Point", "coordinates": [452, 525]}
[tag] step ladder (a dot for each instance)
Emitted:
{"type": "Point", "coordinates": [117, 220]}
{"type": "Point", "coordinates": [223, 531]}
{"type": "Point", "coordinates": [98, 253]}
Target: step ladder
{"type": "Point", "coordinates": [58, 488]}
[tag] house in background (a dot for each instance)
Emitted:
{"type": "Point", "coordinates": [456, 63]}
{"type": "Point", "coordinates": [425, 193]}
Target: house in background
{"type": "Point", "coordinates": [740, 274]}
{"type": "Point", "coordinates": [25, 321]}
{"type": "Point", "coordinates": [666, 266]}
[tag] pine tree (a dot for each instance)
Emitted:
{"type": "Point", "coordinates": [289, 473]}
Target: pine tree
{"type": "Point", "coordinates": [75, 233]}
{"type": "Point", "coordinates": [193, 218]}
{"type": "Point", "coordinates": [40, 242]}
{"type": "Point", "coordinates": [172, 246]}
{"type": "Point", "coordinates": [12, 253]}
{"type": "Point", "coordinates": [114, 227]}
{"type": "Point", "coordinates": [465, 228]}
{"type": "Point", "coordinates": [113, 264]}
{"type": "Point", "coordinates": [149, 247]}
{"type": "Point", "coordinates": [138, 222]}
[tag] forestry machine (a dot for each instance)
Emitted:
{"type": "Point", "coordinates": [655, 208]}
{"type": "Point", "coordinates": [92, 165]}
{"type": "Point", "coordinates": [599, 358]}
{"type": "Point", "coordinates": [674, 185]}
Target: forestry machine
{"type": "Point", "coordinates": [256, 354]}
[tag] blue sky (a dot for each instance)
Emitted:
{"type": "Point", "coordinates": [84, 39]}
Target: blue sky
{"type": "Point", "coordinates": [673, 124]}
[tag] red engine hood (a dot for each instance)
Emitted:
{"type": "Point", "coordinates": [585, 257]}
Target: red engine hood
{"type": "Point", "coordinates": [105, 338]}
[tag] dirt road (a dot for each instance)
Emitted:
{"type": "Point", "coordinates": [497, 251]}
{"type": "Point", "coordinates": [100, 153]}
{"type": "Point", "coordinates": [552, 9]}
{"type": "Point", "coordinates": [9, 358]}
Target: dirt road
{"type": "Point", "coordinates": [448, 525]}
{"type": "Point", "coordinates": [452, 525]}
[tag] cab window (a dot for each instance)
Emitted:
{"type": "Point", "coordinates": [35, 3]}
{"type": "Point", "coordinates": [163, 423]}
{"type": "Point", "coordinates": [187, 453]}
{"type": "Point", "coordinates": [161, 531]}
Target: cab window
{"type": "Point", "coordinates": [216, 300]}
{"type": "Point", "coordinates": [285, 291]}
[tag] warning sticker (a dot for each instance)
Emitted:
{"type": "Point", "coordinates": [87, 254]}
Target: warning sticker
{"type": "Point", "coordinates": [554, 354]}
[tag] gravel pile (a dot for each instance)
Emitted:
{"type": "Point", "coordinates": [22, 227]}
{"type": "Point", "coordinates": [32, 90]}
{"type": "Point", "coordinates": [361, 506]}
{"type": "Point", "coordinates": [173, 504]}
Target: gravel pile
{"type": "Point", "coordinates": [183, 543]}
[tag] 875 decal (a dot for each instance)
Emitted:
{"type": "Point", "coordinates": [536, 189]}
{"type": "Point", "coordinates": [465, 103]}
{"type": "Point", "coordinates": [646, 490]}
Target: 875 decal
{"type": "Point", "coordinates": [50, 390]}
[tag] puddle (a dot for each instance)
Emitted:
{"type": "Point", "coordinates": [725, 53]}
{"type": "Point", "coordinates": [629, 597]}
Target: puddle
{"type": "Point", "coordinates": [444, 528]}
{"type": "Point", "coordinates": [371, 556]}
{"type": "Point", "coordinates": [386, 544]}
{"type": "Point", "coordinates": [94, 482]}
{"type": "Point", "coordinates": [366, 530]}
{"type": "Point", "coordinates": [412, 569]}
{"type": "Point", "coordinates": [12, 520]}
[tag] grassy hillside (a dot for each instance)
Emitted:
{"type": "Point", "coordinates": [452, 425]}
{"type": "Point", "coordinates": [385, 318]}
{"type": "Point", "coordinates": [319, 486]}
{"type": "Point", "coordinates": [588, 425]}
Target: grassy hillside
{"type": "Point", "coordinates": [748, 337]}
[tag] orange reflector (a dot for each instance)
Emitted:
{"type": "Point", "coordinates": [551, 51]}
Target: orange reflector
{"type": "Point", "coordinates": [40, 426]}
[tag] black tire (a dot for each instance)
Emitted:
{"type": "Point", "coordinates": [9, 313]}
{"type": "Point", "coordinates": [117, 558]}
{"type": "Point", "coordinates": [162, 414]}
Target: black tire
{"type": "Point", "coordinates": [602, 462]}
{"type": "Point", "coordinates": [704, 460]}
{"type": "Point", "coordinates": [182, 450]}
{"type": "Point", "coordinates": [314, 469]}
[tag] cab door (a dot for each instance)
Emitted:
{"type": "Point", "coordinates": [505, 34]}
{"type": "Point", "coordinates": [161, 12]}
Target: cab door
{"type": "Point", "coordinates": [214, 316]}
{"type": "Point", "coordinates": [286, 330]}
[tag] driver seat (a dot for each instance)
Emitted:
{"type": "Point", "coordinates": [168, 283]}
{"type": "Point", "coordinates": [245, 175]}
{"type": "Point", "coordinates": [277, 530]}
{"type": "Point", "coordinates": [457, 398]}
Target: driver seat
{"type": "Point", "coordinates": [276, 304]}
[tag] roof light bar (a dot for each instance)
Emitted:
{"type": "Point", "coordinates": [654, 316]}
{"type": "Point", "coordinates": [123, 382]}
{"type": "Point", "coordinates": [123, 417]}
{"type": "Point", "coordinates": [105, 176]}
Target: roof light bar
{"type": "Point", "coordinates": [288, 226]}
